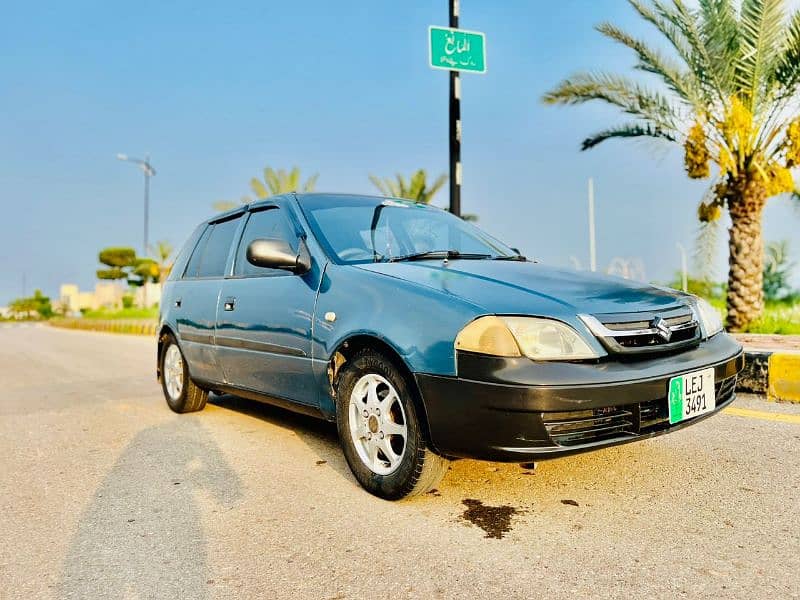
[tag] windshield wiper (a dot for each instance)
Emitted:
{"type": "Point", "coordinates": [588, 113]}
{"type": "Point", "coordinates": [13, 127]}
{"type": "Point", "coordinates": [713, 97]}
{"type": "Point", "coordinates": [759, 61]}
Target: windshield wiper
{"type": "Point", "coordinates": [439, 254]}
{"type": "Point", "coordinates": [518, 257]}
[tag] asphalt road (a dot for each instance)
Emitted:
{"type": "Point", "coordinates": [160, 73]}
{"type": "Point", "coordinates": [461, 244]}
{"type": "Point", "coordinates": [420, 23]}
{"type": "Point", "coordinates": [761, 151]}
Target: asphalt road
{"type": "Point", "coordinates": [106, 493]}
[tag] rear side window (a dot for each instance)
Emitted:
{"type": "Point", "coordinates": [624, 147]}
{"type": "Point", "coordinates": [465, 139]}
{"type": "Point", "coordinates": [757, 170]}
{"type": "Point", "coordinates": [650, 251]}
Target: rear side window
{"type": "Point", "coordinates": [264, 224]}
{"type": "Point", "coordinates": [197, 255]}
{"type": "Point", "coordinates": [211, 252]}
{"type": "Point", "coordinates": [179, 266]}
{"type": "Point", "coordinates": [215, 253]}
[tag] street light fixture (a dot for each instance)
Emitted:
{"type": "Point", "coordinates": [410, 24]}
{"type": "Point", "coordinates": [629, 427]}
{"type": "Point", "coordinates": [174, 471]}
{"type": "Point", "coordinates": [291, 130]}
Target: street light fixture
{"type": "Point", "coordinates": [149, 171]}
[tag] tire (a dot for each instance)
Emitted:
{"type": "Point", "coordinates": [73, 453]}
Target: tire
{"type": "Point", "coordinates": [181, 393]}
{"type": "Point", "coordinates": [403, 465]}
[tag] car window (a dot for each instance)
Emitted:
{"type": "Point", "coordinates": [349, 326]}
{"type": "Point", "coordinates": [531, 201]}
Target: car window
{"type": "Point", "coordinates": [215, 253]}
{"type": "Point", "coordinates": [197, 254]}
{"type": "Point", "coordinates": [264, 224]}
{"type": "Point", "coordinates": [401, 228]}
{"type": "Point", "coordinates": [178, 267]}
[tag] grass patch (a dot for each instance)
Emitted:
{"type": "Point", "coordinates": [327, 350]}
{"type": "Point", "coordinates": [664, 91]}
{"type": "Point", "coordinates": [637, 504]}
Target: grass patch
{"type": "Point", "coordinates": [781, 319]}
{"type": "Point", "coordinates": [123, 313]}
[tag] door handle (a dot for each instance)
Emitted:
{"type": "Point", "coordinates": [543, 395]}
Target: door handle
{"type": "Point", "coordinates": [178, 302]}
{"type": "Point", "coordinates": [230, 303]}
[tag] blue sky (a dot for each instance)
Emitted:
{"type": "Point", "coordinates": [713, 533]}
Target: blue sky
{"type": "Point", "coordinates": [216, 92]}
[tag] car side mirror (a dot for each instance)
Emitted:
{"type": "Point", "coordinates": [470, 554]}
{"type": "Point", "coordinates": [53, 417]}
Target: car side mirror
{"type": "Point", "coordinates": [278, 254]}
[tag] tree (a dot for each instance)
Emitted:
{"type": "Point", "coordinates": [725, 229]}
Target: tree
{"type": "Point", "coordinates": [163, 264]}
{"type": "Point", "coordinates": [38, 303]}
{"type": "Point", "coordinates": [777, 269]}
{"type": "Point", "coordinates": [123, 264]}
{"type": "Point", "coordinates": [729, 97]}
{"type": "Point", "coordinates": [414, 188]}
{"type": "Point", "coordinates": [274, 183]}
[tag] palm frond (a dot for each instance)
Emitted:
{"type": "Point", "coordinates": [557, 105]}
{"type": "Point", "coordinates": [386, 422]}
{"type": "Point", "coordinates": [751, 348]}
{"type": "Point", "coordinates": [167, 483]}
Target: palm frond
{"type": "Point", "coordinates": [629, 130]}
{"type": "Point", "coordinates": [619, 91]}
{"type": "Point", "coordinates": [272, 180]}
{"type": "Point", "coordinates": [379, 183]}
{"type": "Point", "coordinates": [258, 188]}
{"type": "Point", "coordinates": [714, 77]}
{"type": "Point", "coordinates": [436, 186]}
{"type": "Point", "coordinates": [311, 183]}
{"type": "Point", "coordinates": [653, 61]}
{"type": "Point", "coordinates": [666, 27]}
{"type": "Point", "coordinates": [719, 30]}
{"type": "Point", "coordinates": [787, 65]}
{"type": "Point", "coordinates": [761, 25]}
{"type": "Point", "coordinates": [706, 245]}
{"type": "Point", "coordinates": [292, 182]}
{"type": "Point", "coordinates": [223, 205]}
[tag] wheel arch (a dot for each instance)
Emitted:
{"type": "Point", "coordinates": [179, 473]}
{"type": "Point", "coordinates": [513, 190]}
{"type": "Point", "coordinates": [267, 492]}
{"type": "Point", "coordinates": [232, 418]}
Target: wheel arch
{"type": "Point", "coordinates": [163, 332]}
{"type": "Point", "coordinates": [353, 344]}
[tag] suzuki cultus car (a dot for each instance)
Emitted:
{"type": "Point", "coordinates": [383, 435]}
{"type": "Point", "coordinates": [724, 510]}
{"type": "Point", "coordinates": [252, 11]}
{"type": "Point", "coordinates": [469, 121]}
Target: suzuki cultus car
{"type": "Point", "coordinates": [425, 339]}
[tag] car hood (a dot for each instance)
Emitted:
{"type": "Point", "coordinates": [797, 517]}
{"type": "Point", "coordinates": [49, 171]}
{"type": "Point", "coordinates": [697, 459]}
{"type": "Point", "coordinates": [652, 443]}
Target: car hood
{"type": "Point", "coordinates": [527, 288]}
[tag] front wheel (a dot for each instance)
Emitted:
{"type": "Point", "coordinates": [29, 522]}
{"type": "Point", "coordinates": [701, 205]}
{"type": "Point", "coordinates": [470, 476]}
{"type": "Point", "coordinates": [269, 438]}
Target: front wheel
{"type": "Point", "coordinates": [380, 430]}
{"type": "Point", "coordinates": [181, 393]}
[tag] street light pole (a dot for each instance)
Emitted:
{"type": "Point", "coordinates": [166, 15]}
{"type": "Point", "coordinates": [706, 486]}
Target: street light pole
{"type": "Point", "coordinates": [592, 246]}
{"type": "Point", "coordinates": [146, 202]}
{"type": "Point", "coordinates": [148, 171]}
{"type": "Point", "coordinates": [455, 126]}
{"type": "Point", "coordinates": [684, 270]}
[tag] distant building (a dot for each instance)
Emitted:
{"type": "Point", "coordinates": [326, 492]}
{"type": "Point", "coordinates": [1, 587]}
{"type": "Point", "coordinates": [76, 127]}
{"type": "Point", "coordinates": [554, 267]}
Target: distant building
{"type": "Point", "coordinates": [106, 294]}
{"type": "Point", "coordinates": [5, 312]}
{"type": "Point", "coordinates": [149, 291]}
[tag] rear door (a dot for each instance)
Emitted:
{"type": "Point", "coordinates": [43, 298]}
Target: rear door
{"type": "Point", "coordinates": [197, 296]}
{"type": "Point", "coordinates": [264, 316]}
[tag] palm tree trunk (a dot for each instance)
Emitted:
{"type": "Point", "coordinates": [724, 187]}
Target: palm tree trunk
{"type": "Point", "coordinates": [746, 255]}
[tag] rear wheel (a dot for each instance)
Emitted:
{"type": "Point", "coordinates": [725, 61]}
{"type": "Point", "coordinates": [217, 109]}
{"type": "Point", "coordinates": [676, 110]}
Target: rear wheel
{"type": "Point", "coordinates": [181, 393]}
{"type": "Point", "coordinates": [380, 431]}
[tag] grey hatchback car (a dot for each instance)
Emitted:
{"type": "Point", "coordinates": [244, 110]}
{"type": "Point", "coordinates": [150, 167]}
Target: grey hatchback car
{"type": "Point", "coordinates": [425, 339]}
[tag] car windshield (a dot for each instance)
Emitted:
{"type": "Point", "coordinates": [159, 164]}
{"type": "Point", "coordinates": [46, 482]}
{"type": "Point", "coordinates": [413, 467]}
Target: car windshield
{"type": "Point", "coordinates": [360, 230]}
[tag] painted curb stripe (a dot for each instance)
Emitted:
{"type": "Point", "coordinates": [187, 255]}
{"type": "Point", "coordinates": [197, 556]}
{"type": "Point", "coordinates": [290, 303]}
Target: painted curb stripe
{"type": "Point", "coordinates": [784, 377]}
{"type": "Point", "coordinates": [760, 414]}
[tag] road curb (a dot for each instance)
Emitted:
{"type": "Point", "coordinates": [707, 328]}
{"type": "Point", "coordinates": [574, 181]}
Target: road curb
{"type": "Point", "coordinates": [129, 326]}
{"type": "Point", "coordinates": [776, 374]}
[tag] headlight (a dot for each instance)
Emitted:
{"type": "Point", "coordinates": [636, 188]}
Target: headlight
{"type": "Point", "coordinates": [539, 339]}
{"type": "Point", "coordinates": [709, 317]}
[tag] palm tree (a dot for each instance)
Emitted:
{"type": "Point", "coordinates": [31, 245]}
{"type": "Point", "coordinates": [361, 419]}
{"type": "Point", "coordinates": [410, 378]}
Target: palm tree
{"type": "Point", "coordinates": [163, 264]}
{"type": "Point", "coordinates": [728, 95]}
{"type": "Point", "coordinates": [414, 188]}
{"type": "Point", "coordinates": [275, 182]}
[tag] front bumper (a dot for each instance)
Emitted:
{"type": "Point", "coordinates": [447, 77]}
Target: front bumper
{"type": "Point", "coordinates": [518, 410]}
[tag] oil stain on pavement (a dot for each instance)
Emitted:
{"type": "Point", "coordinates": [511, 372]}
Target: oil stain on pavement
{"type": "Point", "coordinates": [494, 520]}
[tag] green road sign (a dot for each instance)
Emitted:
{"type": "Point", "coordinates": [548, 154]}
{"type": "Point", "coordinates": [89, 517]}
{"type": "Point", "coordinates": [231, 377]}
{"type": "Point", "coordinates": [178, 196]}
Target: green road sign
{"type": "Point", "coordinates": [457, 49]}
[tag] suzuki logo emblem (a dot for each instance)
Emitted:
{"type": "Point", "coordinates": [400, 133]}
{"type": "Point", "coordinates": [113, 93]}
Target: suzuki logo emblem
{"type": "Point", "coordinates": [663, 329]}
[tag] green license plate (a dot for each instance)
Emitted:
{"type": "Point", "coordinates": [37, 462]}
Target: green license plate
{"type": "Point", "coordinates": [691, 395]}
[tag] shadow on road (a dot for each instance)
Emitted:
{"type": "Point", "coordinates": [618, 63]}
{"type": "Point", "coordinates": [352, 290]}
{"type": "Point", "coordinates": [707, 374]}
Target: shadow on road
{"type": "Point", "coordinates": [320, 436]}
{"type": "Point", "coordinates": [142, 534]}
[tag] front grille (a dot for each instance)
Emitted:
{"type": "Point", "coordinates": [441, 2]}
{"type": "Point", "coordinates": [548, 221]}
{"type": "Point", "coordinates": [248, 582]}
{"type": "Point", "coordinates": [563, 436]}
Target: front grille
{"type": "Point", "coordinates": [647, 332]}
{"type": "Point", "coordinates": [578, 427]}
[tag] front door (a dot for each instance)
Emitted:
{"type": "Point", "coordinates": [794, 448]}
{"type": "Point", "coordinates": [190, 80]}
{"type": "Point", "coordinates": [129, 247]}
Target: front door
{"type": "Point", "coordinates": [264, 318]}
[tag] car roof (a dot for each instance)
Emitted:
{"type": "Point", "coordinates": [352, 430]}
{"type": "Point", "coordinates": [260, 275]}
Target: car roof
{"type": "Point", "coordinates": [316, 200]}
{"type": "Point", "coordinates": [313, 200]}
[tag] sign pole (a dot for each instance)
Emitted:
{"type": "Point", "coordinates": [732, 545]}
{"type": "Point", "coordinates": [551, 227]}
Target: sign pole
{"type": "Point", "coordinates": [455, 126]}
